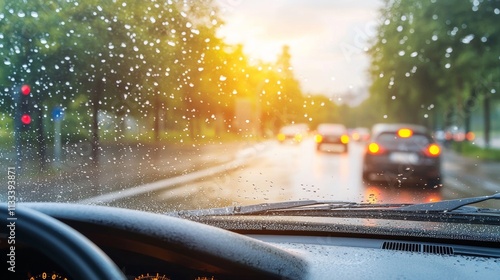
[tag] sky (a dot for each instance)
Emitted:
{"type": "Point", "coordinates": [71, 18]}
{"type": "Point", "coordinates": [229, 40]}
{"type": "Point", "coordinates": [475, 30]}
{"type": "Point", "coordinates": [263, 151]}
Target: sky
{"type": "Point", "coordinates": [327, 38]}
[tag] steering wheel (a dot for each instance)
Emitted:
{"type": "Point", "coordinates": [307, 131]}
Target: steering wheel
{"type": "Point", "coordinates": [81, 258]}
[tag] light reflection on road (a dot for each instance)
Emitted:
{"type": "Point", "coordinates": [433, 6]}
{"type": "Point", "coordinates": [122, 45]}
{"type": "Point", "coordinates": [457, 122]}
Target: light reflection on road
{"type": "Point", "coordinates": [378, 194]}
{"type": "Point", "coordinates": [337, 176]}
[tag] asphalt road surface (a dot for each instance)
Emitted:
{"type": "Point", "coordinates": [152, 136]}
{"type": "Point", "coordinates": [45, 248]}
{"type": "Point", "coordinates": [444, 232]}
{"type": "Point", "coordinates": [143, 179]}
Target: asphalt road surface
{"type": "Point", "coordinates": [275, 172]}
{"type": "Point", "coordinates": [167, 178]}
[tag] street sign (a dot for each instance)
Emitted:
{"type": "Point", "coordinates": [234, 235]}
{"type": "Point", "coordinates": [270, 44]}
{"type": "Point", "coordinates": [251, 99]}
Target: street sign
{"type": "Point", "coordinates": [57, 116]}
{"type": "Point", "coordinates": [57, 113]}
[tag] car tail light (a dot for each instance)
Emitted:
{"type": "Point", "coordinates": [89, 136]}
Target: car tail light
{"type": "Point", "coordinates": [318, 138]}
{"type": "Point", "coordinates": [470, 136]}
{"type": "Point", "coordinates": [298, 137]}
{"type": "Point", "coordinates": [432, 150]}
{"type": "Point", "coordinates": [344, 139]}
{"type": "Point", "coordinates": [405, 133]}
{"type": "Point", "coordinates": [375, 149]}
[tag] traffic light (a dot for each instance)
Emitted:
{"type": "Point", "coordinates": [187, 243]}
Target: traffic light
{"type": "Point", "coordinates": [25, 106]}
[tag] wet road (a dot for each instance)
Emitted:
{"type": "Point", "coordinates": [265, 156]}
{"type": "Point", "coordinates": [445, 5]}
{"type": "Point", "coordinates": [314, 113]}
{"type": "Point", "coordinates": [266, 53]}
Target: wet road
{"type": "Point", "coordinates": [167, 178]}
{"type": "Point", "coordinates": [281, 172]}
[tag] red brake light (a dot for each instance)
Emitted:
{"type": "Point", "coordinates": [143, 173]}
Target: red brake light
{"type": "Point", "coordinates": [470, 136]}
{"type": "Point", "coordinates": [375, 149]}
{"type": "Point", "coordinates": [298, 137]}
{"type": "Point", "coordinates": [405, 133]}
{"type": "Point", "coordinates": [344, 139]}
{"type": "Point", "coordinates": [432, 150]}
{"type": "Point", "coordinates": [318, 138]}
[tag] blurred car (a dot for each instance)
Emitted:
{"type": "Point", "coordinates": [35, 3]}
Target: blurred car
{"type": "Point", "coordinates": [293, 133]}
{"type": "Point", "coordinates": [360, 134]}
{"type": "Point", "coordinates": [403, 151]}
{"type": "Point", "coordinates": [333, 135]}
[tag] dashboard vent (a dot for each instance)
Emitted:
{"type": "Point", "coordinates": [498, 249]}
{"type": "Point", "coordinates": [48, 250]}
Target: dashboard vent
{"type": "Point", "coordinates": [417, 247]}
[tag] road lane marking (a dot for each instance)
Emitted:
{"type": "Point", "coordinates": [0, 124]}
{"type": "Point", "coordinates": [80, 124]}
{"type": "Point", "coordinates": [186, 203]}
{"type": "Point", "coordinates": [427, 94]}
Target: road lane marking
{"type": "Point", "coordinates": [240, 159]}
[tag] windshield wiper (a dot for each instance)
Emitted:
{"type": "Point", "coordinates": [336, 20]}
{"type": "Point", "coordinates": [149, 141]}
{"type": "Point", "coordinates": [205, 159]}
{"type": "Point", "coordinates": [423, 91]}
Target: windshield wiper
{"type": "Point", "coordinates": [312, 207]}
{"type": "Point", "coordinates": [242, 210]}
{"type": "Point", "coordinates": [448, 205]}
{"type": "Point", "coordinates": [299, 205]}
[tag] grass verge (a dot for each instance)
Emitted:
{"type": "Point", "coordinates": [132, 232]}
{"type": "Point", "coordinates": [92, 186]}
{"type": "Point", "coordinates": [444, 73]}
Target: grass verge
{"type": "Point", "coordinates": [474, 151]}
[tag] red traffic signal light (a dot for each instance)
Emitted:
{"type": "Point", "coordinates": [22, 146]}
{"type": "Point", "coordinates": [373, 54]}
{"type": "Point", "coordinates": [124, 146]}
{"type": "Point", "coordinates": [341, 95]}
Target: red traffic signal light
{"type": "Point", "coordinates": [25, 105]}
{"type": "Point", "coordinates": [25, 89]}
{"type": "Point", "coordinates": [25, 119]}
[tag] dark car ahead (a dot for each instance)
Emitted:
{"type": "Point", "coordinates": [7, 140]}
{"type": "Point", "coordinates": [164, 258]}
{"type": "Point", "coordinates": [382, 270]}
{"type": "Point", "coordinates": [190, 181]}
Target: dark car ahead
{"type": "Point", "coordinates": [332, 134]}
{"type": "Point", "coordinates": [404, 152]}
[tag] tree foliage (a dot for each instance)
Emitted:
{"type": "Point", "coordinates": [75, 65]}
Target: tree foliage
{"type": "Point", "coordinates": [430, 59]}
{"type": "Point", "coordinates": [157, 62]}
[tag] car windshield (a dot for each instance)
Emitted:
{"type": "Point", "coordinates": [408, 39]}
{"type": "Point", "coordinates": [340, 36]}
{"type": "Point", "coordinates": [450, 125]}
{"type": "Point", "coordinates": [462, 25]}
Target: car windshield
{"type": "Point", "coordinates": [179, 105]}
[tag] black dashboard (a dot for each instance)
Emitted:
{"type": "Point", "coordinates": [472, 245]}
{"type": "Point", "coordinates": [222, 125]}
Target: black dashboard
{"type": "Point", "coordinates": [33, 264]}
{"type": "Point", "coordinates": [148, 246]}
{"type": "Point", "coordinates": [152, 246]}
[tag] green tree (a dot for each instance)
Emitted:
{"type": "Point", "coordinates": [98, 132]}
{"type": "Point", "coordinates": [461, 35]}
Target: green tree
{"type": "Point", "coordinates": [434, 54]}
{"type": "Point", "coordinates": [32, 41]}
{"type": "Point", "coordinates": [290, 95]}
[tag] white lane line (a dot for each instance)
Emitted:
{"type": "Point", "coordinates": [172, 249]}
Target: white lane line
{"type": "Point", "coordinates": [162, 184]}
{"type": "Point", "coordinates": [241, 158]}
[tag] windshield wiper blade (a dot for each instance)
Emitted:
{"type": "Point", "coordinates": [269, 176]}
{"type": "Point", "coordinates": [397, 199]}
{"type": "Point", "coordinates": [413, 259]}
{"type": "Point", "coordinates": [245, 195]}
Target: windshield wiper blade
{"type": "Point", "coordinates": [299, 205]}
{"type": "Point", "coordinates": [271, 206]}
{"type": "Point", "coordinates": [447, 205]}
{"type": "Point", "coordinates": [303, 207]}
{"type": "Point", "coordinates": [249, 209]}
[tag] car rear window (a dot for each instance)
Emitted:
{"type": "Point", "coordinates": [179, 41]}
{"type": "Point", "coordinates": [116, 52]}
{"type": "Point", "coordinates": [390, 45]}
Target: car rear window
{"type": "Point", "coordinates": [293, 129]}
{"type": "Point", "coordinates": [333, 128]}
{"type": "Point", "coordinates": [391, 139]}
